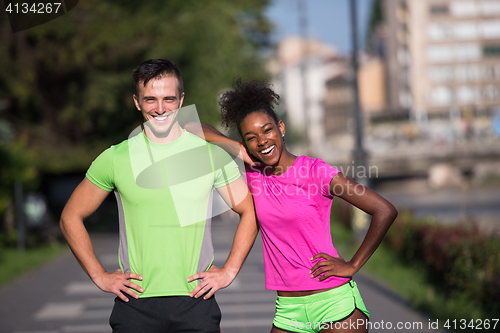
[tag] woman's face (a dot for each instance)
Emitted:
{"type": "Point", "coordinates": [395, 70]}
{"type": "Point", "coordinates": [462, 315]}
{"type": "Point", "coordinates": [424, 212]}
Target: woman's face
{"type": "Point", "coordinates": [263, 137]}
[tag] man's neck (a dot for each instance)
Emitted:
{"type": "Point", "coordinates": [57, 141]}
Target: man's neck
{"type": "Point", "coordinates": [173, 134]}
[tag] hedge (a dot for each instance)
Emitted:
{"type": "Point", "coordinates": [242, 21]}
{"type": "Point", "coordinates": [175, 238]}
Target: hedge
{"type": "Point", "coordinates": [461, 261]}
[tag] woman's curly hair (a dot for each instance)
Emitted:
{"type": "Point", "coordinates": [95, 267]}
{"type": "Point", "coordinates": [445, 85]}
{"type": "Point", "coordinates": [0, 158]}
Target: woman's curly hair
{"type": "Point", "coordinates": [245, 98]}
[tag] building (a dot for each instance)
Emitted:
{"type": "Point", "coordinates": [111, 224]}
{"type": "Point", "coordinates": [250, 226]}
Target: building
{"type": "Point", "coordinates": [339, 106]}
{"type": "Point", "coordinates": [339, 98]}
{"type": "Point", "coordinates": [321, 106]}
{"type": "Point", "coordinates": [372, 89]}
{"type": "Point", "coordinates": [300, 71]}
{"type": "Point", "coordinates": [443, 57]}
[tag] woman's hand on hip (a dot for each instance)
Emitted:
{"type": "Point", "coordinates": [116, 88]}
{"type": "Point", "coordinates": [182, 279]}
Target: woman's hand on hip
{"type": "Point", "coordinates": [331, 266]}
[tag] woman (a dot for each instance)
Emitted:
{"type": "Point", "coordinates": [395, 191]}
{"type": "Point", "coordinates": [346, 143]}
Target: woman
{"type": "Point", "coordinates": [293, 197]}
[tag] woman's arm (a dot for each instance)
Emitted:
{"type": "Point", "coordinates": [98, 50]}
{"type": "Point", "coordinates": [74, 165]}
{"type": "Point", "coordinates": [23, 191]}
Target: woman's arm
{"type": "Point", "coordinates": [212, 135]}
{"type": "Point", "coordinates": [383, 214]}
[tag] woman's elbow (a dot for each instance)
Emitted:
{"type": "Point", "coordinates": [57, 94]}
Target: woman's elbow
{"type": "Point", "coordinates": [392, 212]}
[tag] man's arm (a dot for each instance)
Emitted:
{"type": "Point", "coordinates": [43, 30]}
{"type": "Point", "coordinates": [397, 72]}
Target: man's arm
{"type": "Point", "coordinates": [84, 201]}
{"type": "Point", "coordinates": [233, 147]}
{"type": "Point", "coordinates": [237, 196]}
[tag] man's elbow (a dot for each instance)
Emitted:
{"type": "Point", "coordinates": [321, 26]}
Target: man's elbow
{"type": "Point", "coordinates": [63, 225]}
{"type": "Point", "coordinates": [65, 222]}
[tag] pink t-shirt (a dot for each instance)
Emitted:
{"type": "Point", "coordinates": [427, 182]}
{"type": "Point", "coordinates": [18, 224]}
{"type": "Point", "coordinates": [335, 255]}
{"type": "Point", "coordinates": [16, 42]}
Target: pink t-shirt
{"type": "Point", "coordinates": [293, 210]}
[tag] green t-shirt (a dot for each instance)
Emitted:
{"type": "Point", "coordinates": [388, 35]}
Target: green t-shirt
{"type": "Point", "coordinates": [164, 195]}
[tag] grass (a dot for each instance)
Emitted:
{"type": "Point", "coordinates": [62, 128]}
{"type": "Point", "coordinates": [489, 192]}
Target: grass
{"type": "Point", "coordinates": [13, 263]}
{"type": "Point", "coordinates": [410, 281]}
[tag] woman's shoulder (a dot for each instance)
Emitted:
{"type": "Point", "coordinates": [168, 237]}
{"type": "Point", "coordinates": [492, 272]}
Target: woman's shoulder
{"type": "Point", "coordinates": [310, 162]}
{"type": "Point", "coordinates": [318, 167]}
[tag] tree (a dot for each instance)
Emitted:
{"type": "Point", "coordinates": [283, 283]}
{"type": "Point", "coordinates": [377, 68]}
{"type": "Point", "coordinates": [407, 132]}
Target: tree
{"type": "Point", "coordinates": [374, 36]}
{"type": "Point", "coordinates": [16, 164]}
{"type": "Point", "coordinates": [68, 84]}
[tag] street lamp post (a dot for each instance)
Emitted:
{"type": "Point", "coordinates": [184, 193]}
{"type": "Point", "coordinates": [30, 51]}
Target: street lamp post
{"type": "Point", "coordinates": [303, 71]}
{"type": "Point", "coordinates": [360, 219]}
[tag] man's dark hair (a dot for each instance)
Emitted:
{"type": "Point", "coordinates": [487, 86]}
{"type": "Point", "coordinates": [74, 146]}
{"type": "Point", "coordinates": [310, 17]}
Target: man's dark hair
{"type": "Point", "coordinates": [155, 69]}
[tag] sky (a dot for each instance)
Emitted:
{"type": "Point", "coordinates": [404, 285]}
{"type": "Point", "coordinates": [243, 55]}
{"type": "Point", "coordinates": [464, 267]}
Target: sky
{"type": "Point", "coordinates": [328, 20]}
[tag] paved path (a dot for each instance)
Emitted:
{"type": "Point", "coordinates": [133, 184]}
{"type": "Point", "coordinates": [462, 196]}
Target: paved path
{"type": "Point", "coordinates": [60, 298]}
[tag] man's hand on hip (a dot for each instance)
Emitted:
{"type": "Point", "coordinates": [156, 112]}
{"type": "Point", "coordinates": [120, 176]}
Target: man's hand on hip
{"type": "Point", "coordinates": [214, 279]}
{"type": "Point", "coordinates": [119, 283]}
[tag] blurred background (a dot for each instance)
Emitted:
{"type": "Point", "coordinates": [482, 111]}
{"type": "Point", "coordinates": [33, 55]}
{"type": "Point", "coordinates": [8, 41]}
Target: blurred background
{"type": "Point", "coordinates": [402, 95]}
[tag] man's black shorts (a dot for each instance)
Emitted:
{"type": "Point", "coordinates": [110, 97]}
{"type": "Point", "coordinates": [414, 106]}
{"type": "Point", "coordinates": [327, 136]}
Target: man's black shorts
{"type": "Point", "coordinates": [165, 314]}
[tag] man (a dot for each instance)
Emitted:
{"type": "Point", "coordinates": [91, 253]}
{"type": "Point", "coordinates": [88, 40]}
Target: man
{"type": "Point", "coordinates": [163, 179]}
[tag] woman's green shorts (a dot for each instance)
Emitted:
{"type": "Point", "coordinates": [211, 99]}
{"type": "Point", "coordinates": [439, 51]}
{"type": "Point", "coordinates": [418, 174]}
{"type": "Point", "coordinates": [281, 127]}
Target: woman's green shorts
{"type": "Point", "coordinates": [313, 312]}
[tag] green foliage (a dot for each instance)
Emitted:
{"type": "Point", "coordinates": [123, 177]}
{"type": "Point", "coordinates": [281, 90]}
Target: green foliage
{"type": "Point", "coordinates": [461, 262]}
{"type": "Point", "coordinates": [376, 18]}
{"type": "Point", "coordinates": [68, 83]}
{"type": "Point", "coordinates": [8, 239]}
{"type": "Point", "coordinates": [14, 263]}
{"type": "Point", "coordinates": [447, 272]}
{"type": "Point", "coordinates": [16, 164]}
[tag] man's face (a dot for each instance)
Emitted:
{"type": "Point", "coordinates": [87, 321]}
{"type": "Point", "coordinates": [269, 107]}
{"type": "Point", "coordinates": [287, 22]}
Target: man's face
{"type": "Point", "coordinates": [157, 101]}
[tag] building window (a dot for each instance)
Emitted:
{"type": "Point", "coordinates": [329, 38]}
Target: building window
{"type": "Point", "coordinates": [466, 30]}
{"type": "Point", "coordinates": [446, 53]}
{"type": "Point", "coordinates": [461, 73]}
{"type": "Point", "coordinates": [438, 32]}
{"type": "Point", "coordinates": [467, 95]}
{"type": "Point", "coordinates": [491, 92]}
{"type": "Point", "coordinates": [467, 73]}
{"type": "Point", "coordinates": [440, 53]}
{"type": "Point", "coordinates": [440, 74]}
{"type": "Point", "coordinates": [464, 8]}
{"type": "Point", "coordinates": [491, 72]}
{"type": "Point", "coordinates": [491, 7]}
{"type": "Point", "coordinates": [467, 52]}
{"type": "Point", "coordinates": [496, 71]}
{"type": "Point", "coordinates": [441, 95]}
{"type": "Point", "coordinates": [438, 9]}
{"type": "Point", "coordinates": [491, 50]}
{"type": "Point", "coordinates": [490, 29]}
